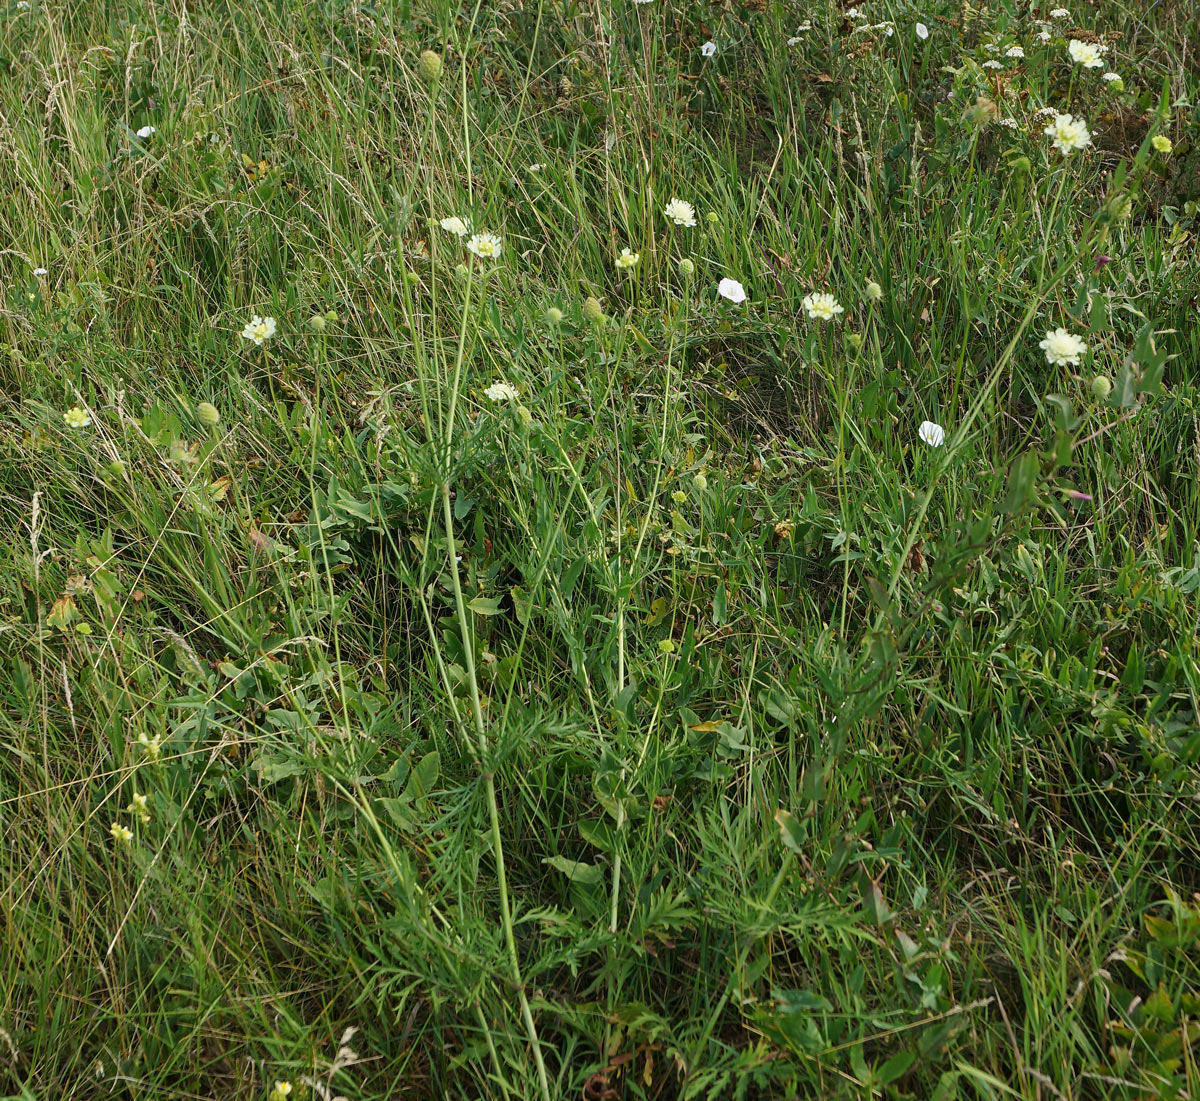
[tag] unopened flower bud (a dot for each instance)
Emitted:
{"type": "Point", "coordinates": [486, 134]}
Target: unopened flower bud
{"type": "Point", "coordinates": [554, 316]}
{"type": "Point", "coordinates": [207, 413]}
{"type": "Point", "coordinates": [593, 311]}
{"type": "Point", "coordinates": [686, 268]}
{"type": "Point", "coordinates": [1101, 387]}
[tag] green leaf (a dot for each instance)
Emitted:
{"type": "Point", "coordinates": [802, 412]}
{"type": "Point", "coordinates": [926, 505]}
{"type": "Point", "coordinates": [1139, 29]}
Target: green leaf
{"type": "Point", "coordinates": [423, 777]}
{"type": "Point", "coordinates": [600, 834]}
{"type": "Point", "coordinates": [485, 605]}
{"type": "Point", "coordinates": [791, 831]}
{"type": "Point", "coordinates": [522, 605]}
{"type": "Point", "coordinates": [574, 870]}
{"type": "Point", "coordinates": [894, 1068]}
{"type": "Point", "coordinates": [1022, 481]}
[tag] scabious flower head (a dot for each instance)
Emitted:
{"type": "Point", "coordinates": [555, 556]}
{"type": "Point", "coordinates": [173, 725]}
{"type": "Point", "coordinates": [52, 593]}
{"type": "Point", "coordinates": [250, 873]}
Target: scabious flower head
{"type": "Point", "coordinates": [822, 306]}
{"type": "Point", "coordinates": [680, 212]}
{"type": "Point", "coordinates": [709, 49]}
{"type": "Point", "coordinates": [1101, 387]}
{"type": "Point", "coordinates": [487, 245]}
{"type": "Point", "coordinates": [731, 289]}
{"type": "Point", "coordinates": [146, 132]}
{"type": "Point", "coordinates": [259, 329]}
{"type": "Point", "coordinates": [208, 413]}
{"type": "Point", "coordinates": [874, 291]}
{"type": "Point", "coordinates": [454, 224]}
{"type": "Point", "coordinates": [932, 433]}
{"type": "Point", "coordinates": [502, 391]}
{"type": "Point", "coordinates": [1087, 54]}
{"type": "Point", "coordinates": [122, 835]}
{"type": "Point", "coordinates": [554, 316]}
{"type": "Point", "coordinates": [627, 259]}
{"type": "Point", "coordinates": [592, 310]}
{"type": "Point", "coordinates": [1063, 349]}
{"type": "Point", "coordinates": [1068, 133]}
{"type": "Point", "coordinates": [77, 417]}
{"type": "Point", "coordinates": [686, 268]}
{"type": "Point", "coordinates": [1161, 143]}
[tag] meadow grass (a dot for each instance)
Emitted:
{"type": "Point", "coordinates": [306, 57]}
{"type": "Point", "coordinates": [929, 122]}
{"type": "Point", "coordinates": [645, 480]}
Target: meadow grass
{"type": "Point", "coordinates": [529, 676]}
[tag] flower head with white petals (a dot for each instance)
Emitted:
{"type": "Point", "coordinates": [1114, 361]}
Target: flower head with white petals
{"type": "Point", "coordinates": [1087, 54]}
{"type": "Point", "coordinates": [502, 391]}
{"type": "Point", "coordinates": [486, 245]}
{"type": "Point", "coordinates": [259, 329]}
{"type": "Point", "coordinates": [1063, 349]}
{"type": "Point", "coordinates": [932, 433]}
{"type": "Point", "coordinates": [680, 212]}
{"type": "Point", "coordinates": [732, 290]}
{"type": "Point", "coordinates": [822, 306]}
{"type": "Point", "coordinates": [709, 49]}
{"type": "Point", "coordinates": [456, 225]}
{"type": "Point", "coordinates": [1068, 133]}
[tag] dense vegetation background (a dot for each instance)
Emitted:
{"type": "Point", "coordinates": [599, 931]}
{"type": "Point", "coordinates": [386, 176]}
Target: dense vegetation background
{"type": "Point", "coordinates": [676, 720]}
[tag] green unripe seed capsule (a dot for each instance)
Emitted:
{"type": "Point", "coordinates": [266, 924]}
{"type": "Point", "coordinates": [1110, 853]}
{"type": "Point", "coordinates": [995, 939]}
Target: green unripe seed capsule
{"type": "Point", "coordinates": [593, 311]}
{"type": "Point", "coordinates": [207, 413]}
{"type": "Point", "coordinates": [686, 268]}
{"type": "Point", "coordinates": [1101, 387]}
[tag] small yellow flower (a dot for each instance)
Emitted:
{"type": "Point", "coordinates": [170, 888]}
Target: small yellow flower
{"type": "Point", "coordinates": [140, 807]}
{"type": "Point", "coordinates": [76, 417]}
{"type": "Point", "coordinates": [152, 746]}
{"type": "Point", "coordinates": [280, 1092]}
{"type": "Point", "coordinates": [627, 259]}
{"type": "Point", "coordinates": [1161, 143]}
{"type": "Point", "coordinates": [121, 835]}
{"type": "Point", "coordinates": [783, 528]}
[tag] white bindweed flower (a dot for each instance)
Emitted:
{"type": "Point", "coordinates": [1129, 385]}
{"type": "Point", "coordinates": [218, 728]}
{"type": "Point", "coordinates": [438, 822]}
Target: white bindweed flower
{"type": "Point", "coordinates": [932, 434]}
{"type": "Point", "coordinates": [822, 306]}
{"type": "Point", "coordinates": [146, 131]}
{"type": "Point", "coordinates": [487, 245]}
{"type": "Point", "coordinates": [731, 289]}
{"type": "Point", "coordinates": [1015, 51]}
{"type": "Point", "coordinates": [1063, 349]}
{"type": "Point", "coordinates": [456, 225]}
{"type": "Point", "coordinates": [709, 49]}
{"type": "Point", "coordinates": [1068, 133]}
{"type": "Point", "coordinates": [680, 212]}
{"type": "Point", "coordinates": [922, 31]}
{"type": "Point", "coordinates": [627, 259]}
{"type": "Point", "coordinates": [259, 329]}
{"type": "Point", "coordinates": [1087, 54]}
{"type": "Point", "coordinates": [502, 391]}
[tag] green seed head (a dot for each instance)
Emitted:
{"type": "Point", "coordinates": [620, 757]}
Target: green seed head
{"type": "Point", "coordinates": [317, 322]}
{"type": "Point", "coordinates": [1101, 387]}
{"type": "Point", "coordinates": [554, 316]}
{"type": "Point", "coordinates": [593, 311]}
{"type": "Point", "coordinates": [207, 413]}
{"type": "Point", "coordinates": [686, 268]}
{"type": "Point", "coordinates": [429, 65]}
